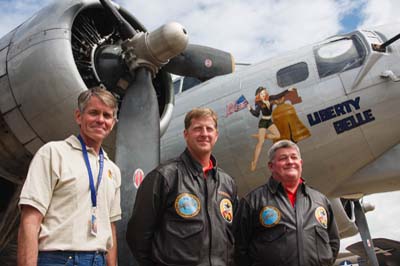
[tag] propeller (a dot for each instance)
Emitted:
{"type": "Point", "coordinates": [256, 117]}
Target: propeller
{"type": "Point", "coordinates": [125, 29]}
{"type": "Point", "coordinates": [196, 61]}
{"type": "Point", "coordinates": [361, 222]}
{"type": "Point", "coordinates": [138, 142]}
{"type": "Point", "coordinates": [135, 62]}
{"type": "Point", "coordinates": [201, 62]}
{"type": "Point", "coordinates": [138, 131]}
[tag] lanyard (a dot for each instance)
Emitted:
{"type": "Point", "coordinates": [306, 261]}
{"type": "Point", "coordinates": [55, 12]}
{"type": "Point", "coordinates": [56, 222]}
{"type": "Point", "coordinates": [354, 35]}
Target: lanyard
{"type": "Point", "coordinates": [93, 190]}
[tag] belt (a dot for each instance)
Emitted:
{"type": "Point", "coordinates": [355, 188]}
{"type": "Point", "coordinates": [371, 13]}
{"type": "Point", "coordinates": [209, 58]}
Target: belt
{"type": "Point", "coordinates": [73, 252]}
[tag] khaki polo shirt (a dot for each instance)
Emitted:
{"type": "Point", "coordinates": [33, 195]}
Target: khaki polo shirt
{"type": "Point", "coordinates": [57, 185]}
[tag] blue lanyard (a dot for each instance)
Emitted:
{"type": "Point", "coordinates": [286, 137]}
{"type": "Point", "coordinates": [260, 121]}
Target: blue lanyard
{"type": "Point", "coordinates": [93, 190]}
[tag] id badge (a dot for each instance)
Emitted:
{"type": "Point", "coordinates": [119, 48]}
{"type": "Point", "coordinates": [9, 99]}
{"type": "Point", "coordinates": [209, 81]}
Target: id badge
{"type": "Point", "coordinates": [93, 223]}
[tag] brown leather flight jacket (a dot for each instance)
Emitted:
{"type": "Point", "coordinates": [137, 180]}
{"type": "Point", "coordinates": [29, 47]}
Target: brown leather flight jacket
{"type": "Point", "coordinates": [181, 217]}
{"type": "Point", "coordinates": [270, 232]}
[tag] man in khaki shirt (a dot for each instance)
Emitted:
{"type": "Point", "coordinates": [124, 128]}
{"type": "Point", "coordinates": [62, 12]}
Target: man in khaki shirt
{"type": "Point", "coordinates": [71, 197]}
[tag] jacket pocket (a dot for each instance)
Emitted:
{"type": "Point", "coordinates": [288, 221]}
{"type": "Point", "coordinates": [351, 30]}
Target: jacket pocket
{"type": "Point", "coordinates": [183, 243]}
{"type": "Point", "coordinates": [184, 229]}
{"type": "Point", "coordinates": [273, 234]}
{"type": "Point", "coordinates": [323, 247]}
{"type": "Point", "coordinates": [271, 246]}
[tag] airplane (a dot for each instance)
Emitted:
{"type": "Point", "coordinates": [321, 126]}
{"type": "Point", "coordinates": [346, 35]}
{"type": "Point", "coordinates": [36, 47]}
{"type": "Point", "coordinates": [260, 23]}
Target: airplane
{"type": "Point", "coordinates": [338, 99]}
{"type": "Point", "coordinates": [387, 251]}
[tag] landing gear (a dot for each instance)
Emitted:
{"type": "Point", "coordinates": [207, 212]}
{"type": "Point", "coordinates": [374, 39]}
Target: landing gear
{"type": "Point", "coordinates": [362, 225]}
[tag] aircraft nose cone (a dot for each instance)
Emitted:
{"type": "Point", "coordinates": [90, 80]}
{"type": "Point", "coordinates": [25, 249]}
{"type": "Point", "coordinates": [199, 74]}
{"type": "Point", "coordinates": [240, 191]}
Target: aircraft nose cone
{"type": "Point", "coordinates": [168, 41]}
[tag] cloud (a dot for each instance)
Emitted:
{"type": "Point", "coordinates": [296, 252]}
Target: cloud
{"type": "Point", "coordinates": [13, 13]}
{"type": "Point", "coordinates": [250, 30]}
{"type": "Point", "coordinates": [380, 12]}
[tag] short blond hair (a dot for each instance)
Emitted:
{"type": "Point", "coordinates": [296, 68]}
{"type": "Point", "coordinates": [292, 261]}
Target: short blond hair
{"type": "Point", "coordinates": [200, 112]}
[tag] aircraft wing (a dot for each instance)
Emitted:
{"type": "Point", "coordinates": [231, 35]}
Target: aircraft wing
{"type": "Point", "coordinates": [375, 176]}
{"type": "Point", "coordinates": [387, 252]}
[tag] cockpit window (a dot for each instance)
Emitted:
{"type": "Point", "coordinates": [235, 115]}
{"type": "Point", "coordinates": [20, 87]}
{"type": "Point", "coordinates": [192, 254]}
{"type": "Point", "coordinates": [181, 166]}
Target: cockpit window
{"type": "Point", "coordinates": [292, 74]}
{"type": "Point", "coordinates": [177, 85]}
{"type": "Point", "coordinates": [189, 82]}
{"type": "Point", "coordinates": [185, 83]}
{"type": "Point", "coordinates": [338, 56]}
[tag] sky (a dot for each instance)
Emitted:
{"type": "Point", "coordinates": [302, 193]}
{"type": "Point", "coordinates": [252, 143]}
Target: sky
{"type": "Point", "coordinates": [253, 30]}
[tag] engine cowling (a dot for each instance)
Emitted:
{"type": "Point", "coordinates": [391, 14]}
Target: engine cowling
{"type": "Point", "coordinates": [50, 59]}
{"type": "Point", "coordinates": [45, 63]}
{"type": "Point", "coordinates": [343, 209]}
{"type": "Point", "coordinates": [62, 50]}
{"type": "Point", "coordinates": [345, 218]}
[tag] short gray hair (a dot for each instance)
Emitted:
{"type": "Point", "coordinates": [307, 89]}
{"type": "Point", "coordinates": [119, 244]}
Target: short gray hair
{"type": "Point", "coordinates": [100, 92]}
{"type": "Point", "coordinates": [279, 145]}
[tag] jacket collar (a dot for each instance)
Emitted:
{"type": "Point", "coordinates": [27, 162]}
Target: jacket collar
{"type": "Point", "coordinates": [194, 167]}
{"type": "Point", "coordinates": [275, 185]}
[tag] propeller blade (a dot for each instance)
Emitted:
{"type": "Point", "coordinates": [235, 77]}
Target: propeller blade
{"type": "Point", "coordinates": [361, 222]}
{"type": "Point", "coordinates": [124, 28]}
{"type": "Point", "coordinates": [201, 62]}
{"type": "Point", "coordinates": [137, 147]}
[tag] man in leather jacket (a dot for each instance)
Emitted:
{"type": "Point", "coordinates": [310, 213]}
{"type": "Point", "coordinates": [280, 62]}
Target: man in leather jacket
{"type": "Point", "coordinates": [285, 222]}
{"type": "Point", "coordinates": [184, 208]}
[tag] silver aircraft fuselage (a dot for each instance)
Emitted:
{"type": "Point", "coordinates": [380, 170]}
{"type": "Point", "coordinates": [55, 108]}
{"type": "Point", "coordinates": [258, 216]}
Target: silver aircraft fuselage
{"type": "Point", "coordinates": [350, 108]}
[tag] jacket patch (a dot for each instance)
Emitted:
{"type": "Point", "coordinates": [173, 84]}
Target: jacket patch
{"type": "Point", "coordinates": [226, 210]}
{"type": "Point", "coordinates": [269, 216]}
{"type": "Point", "coordinates": [109, 174]}
{"type": "Point", "coordinates": [187, 205]}
{"type": "Point", "coordinates": [321, 216]}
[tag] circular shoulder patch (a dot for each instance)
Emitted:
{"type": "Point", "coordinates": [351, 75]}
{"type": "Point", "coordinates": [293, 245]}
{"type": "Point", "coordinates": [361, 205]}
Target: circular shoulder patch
{"type": "Point", "coordinates": [269, 216]}
{"type": "Point", "coordinates": [226, 210]}
{"type": "Point", "coordinates": [321, 216]}
{"type": "Point", "coordinates": [187, 205]}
